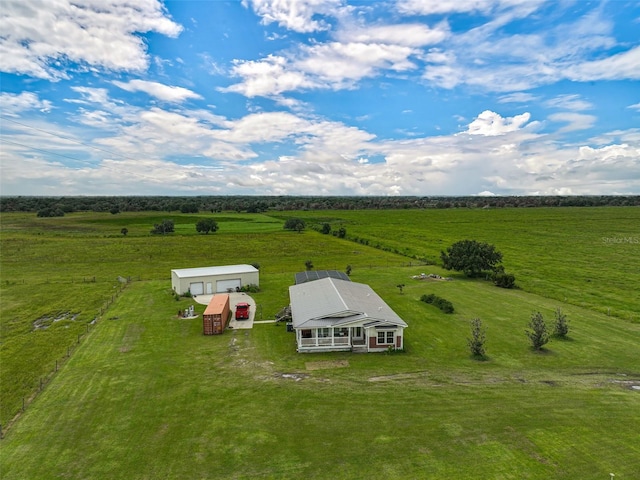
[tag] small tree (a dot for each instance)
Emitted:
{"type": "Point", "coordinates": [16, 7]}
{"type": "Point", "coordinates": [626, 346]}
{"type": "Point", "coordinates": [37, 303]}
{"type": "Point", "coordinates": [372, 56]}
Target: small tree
{"type": "Point", "coordinates": [207, 225]}
{"type": "Point", "coordinates": [400, 287]}
{"type": "Point", "coordinates": [537, 333]}
{"type": "Point", "coordinates": [478, 339]}
{"type": "Point", "coordinates": [561, 326]}
{"type": "Point", "coordinates": [348, 270]}
{"type": "Point", "coordinates": [124, 231]}
{"type": "Point", "coordinates": [296, 224]}
{"type": "Point", "coordinates": [309, 265]}
{"type": "Point", "coordinates": [325, 229]}
{"type": "Point", "coordinates": [165, 227]}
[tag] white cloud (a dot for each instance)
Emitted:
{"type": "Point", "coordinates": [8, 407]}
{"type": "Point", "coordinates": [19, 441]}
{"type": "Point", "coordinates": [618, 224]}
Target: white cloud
{"type": "Point", "coordinates": [41, 37]}
{"type": "Point", "coordinates": [569, 102]}
{"type": "Point", "coordinates": [489, 123]}
{"type": "Point", "coordinates": [331, 65]}
{"type": "Point", "coordinates": [624, 65]}
{"type": "Point", "coordinates": [430, 7]}
{"type": "Point", "coordinates": [405, 34]}
{"type": "Point", "coordinates": [489, 57]}
{"type": "Point", "coordinates": [325, 157]}
{"type": "Point", "coordinates": [160, 91]}
{"type": "Point", "coordinates": [574, 121]}
{"type": "Point", "coordinates": [13, 104]}
{"type": "Point", "coordinates": [518, 97]}
{"type": "Point", "coordinates": [297, 15]}
{"type": "Point", "coordinates": [635, 106]}
{"type": "Point", "coordinates": [270, 76]}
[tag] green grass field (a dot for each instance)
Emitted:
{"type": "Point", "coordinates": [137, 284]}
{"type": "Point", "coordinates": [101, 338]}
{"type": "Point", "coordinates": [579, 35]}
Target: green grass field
{"type": "Point", "coordinates": [146, 396]}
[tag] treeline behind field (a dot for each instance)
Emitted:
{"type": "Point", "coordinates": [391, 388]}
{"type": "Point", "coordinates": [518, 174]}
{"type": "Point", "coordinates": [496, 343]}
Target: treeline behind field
{"type": "Point", "coordinates": [58, 206]}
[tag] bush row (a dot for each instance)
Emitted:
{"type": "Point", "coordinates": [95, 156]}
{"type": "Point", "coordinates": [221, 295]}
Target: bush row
{"type": "Point", "coordinates": [445, 305]}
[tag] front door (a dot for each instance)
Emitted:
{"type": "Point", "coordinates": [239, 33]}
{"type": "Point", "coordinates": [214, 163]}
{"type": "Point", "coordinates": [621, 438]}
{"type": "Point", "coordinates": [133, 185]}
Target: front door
{"type": "Point", "coordinates": [357, 335]}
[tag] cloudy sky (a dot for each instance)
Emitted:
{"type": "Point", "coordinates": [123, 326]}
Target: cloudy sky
{"type": "Point", "coordinates": [322, 97]}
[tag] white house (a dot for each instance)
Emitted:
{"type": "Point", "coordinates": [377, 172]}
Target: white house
{"type": "Point", "coordinates": [338, 315]}
{"type": "Point", "coordinates": [209, 280]}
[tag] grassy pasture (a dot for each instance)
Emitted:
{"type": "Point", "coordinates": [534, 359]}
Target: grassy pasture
{"type": "Point", "coordinates": [147, 396]}
{"type": "Point", "coordinates": [51, 266]}
{"type": "Point", "coordinates": [585, 256]}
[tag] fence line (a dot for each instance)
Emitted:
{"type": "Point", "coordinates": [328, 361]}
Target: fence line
{"type": "Point", "coordinates": [48, 377]}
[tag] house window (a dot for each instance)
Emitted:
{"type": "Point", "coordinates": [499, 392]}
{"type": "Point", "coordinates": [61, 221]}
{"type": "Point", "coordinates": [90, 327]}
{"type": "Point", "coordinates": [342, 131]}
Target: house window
{"type": "Point", "coordinates": [385, 337]}
{"type": "Point", "coordinates": [306, 333]}
{"type": "Point", "coordinates": [323, 332]}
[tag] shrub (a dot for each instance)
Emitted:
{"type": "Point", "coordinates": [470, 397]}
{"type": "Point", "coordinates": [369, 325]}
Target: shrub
{"type": "Point", "coordinates": [445, 305]}
{"type": "Point", "coordinates": [537, 333]}
{"type": "Point", "coordinates": [478, 339]}
{"type": "Point", "coordinates": [251, 288]}
{"type": "Point", "coordinates": [561, 326]}
{"type": "Point", "coordinates": [504, 280]}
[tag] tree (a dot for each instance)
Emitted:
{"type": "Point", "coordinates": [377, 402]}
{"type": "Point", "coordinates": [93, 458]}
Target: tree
{"type": "Point", "coordinates": [537, 333]}
{"type": "Point", "coordinates": [478, 339]}
{"type": "Point", "coordinates": [296, 224]}
{"type": "Point", "coordinates": [400, 287]}
{"type": "Point", "coordinates": [124, 231]}
{"type": "Point", "coordinates": [348, 270]}
{"type": "Point", "coordinates": [206, 225]}
{"type": "Point", "coordinates": [308, 264]}
{"type": "Point", "coordinates": [561, 326]}
{"type": "Point", "coordinates": [325, 229]}
{"type": "Point", "coordinates": [166, 226]}
{"type": "Point", "coordinates": [340, 233]}
{"type": "Point", "coordinates": [190, 207]}
{"type": "Point", "coordinates": [471, 257]}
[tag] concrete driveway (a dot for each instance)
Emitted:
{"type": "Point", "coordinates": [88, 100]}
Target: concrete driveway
{"type": "Point", "coordinates": [234, 299]}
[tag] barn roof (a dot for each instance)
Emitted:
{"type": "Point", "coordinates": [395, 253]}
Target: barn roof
{"type": "Point", "coordinates": [333, 302]}
{"type": "Point", "coordinates": [212, 271]}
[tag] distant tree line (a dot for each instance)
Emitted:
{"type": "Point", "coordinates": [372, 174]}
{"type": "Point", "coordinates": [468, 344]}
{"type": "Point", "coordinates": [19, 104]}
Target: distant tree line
{"type": "Point", "coordinates": [257, 204]}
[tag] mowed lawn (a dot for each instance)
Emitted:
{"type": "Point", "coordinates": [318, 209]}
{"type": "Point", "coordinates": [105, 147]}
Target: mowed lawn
{"type": "Point", "coordinates": [147, 396]}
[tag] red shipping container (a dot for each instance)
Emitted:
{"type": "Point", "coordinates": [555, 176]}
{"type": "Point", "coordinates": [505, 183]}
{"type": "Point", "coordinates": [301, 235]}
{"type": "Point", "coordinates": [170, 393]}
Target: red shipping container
{"type": "Point", "coordinates": [216, 315]}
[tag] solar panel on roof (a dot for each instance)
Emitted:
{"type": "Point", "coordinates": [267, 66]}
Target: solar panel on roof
{"type": "Point", "coordinates": [310, 275]}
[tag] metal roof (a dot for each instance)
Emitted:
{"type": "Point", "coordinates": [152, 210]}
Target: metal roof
{"type": "Point", "coordinates": [310, 275]}
{"type": "Point", "coordinates": [212, 271]}
{"type": "Point", "coordinates": [333, 302]}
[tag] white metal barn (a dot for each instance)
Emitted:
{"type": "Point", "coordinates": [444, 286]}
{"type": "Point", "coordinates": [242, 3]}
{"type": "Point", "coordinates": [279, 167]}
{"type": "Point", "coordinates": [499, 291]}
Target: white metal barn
{"type": "Point", "coordinates": [209, 280]}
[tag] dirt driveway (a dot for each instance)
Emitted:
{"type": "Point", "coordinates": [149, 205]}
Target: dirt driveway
{"type": "Point", "coordinates": [234, 299]}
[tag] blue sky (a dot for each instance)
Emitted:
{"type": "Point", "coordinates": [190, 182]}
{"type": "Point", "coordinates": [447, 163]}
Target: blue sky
{"type": "Point", "coordinates": [320, 97]}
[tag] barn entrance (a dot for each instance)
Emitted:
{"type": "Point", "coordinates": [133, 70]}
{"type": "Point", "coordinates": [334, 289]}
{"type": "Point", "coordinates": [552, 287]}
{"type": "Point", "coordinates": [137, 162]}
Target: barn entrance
{"type": "Point", "coordinates": [196, 288]}
{"type": "Point", "coordinates": [228, 285]}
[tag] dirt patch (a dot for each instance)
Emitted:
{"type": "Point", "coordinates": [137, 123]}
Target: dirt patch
{"type": "Point", "coordinates": [292, 376]}
{"type": "Point", "coordinates": [46, 321]}
{"type": "Point", "coordinates": [431, 277]}
{"type": "Point", "coordinates": [327, 364]}
{"type": "Point", "coordinates": [398, 376]}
